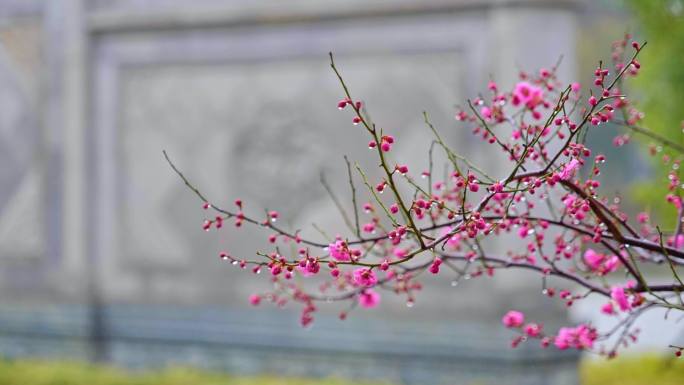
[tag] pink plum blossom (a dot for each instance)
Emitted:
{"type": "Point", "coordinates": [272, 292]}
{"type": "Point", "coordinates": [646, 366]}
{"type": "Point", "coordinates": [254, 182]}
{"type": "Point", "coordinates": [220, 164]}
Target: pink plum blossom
{"type": "Point", "coordinates": [580, 337]}
{"type": "Point", "coordinates": [569, 169]}
{"type": "Point", "coordinates": [617, 293]}
{"type": "Point", "coordinates": [365, 277]}
{"type": "Point", "coordinates": [527, 94]}
{"type": "Point", "coordinates": [513, 319]}
{"type": "Point", "coordinates": [369, 299]}
{"type": "Point", "coordinates": [339, 251]}
{"type": "Point", "coordinates": [532, 329]}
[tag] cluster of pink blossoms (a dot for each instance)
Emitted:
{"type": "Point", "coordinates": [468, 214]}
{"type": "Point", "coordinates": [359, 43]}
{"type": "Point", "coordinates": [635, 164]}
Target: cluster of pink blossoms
{"type": "Point", "coordinates": [548, 195]}
{"type": "Point", "coordinates": [599, 263]}
{"type": "Point", "coordinates": [581, 337]}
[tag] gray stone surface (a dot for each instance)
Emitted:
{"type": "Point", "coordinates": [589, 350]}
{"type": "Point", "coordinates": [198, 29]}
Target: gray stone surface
{"type": "Point", "coordinates": [241, 96]}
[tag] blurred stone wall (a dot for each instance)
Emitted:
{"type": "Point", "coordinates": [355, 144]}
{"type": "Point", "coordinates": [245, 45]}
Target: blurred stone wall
{"type": "Point", "coordinates": [100, 240]}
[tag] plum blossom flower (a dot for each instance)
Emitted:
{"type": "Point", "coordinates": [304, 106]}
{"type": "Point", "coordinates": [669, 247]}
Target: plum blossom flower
{"type": "Point", "coordinates": [617, 293]}
{"type": "Point", "coordinates": [675, 200]}
{"type": "Point", "coordinates": [532, 329]}
{"type": "Point", "coordinates": [513, 319]}
{"type": "Point", "coordinates": [642, 217]}
{"type": "Point", "coordinates": [434, 268]}
{"type": "Point", "coordinates": [677, 241]}
{"type": "Point", "coordinates": [339, 251]}
{"type": "Point", "coordinates": [593, 259]}
{"type": "Point", "coordinates": [611, 264]}
{"type": "Point", "coordinates": [399, 252]}
{"type": "Point", "coordinates": [369, 299]}
{"type": "Point", "coordinates": [528, 95]}
{"type": "Point", "coordinates": [580, 337]}
{"type": "Point", "coordinates": [601, 263]}
{"type": "Point", "coordinates": [607, 309]}
{"type": "Point", "coordinates": [365, 277]}
{"type": "Point", "coordinates": [486, 112]}
{"type": "Point", "coordinates": [454, 239]}
{"type": "Point", "coordinates": [569, 169]}
{"type": "Point", "coordinates": [308, 267]}
{"type": "Point", "coordinates": [569, 201]}
{"type": "Point", "coordinates": [255, 299]}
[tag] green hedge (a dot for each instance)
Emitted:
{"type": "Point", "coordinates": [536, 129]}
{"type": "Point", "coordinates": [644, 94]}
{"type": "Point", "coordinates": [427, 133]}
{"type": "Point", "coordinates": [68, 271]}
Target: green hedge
{"type": "Point", "coordinates": [643, 370]}
{"type": "Point", "coordinates": [631, 370]}
{"type": "Point", "coordinates": [35, 372]}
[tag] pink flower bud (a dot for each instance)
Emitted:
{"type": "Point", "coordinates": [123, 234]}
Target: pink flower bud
{"type": "Point", "coordinates": [532, 329]}
{"type": "Point", "coordinates": [434, 268]}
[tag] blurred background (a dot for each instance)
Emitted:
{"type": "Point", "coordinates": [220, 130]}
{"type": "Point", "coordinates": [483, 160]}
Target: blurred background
{"type": "Point", "coordinates": [102, 254]}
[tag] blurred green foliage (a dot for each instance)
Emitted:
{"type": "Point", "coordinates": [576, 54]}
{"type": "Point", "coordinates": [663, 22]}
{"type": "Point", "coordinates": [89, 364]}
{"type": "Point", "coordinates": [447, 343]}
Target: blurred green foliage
{"type": "Point", "coordinates": [659, 89]}
{"type": "Point", "coordinates": [35, 372]}
{"type": "Point", "coordinates": [634, 370]}
{"type": "Point", "coordinates": [641, 370]}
